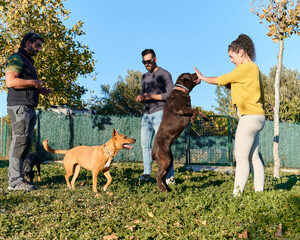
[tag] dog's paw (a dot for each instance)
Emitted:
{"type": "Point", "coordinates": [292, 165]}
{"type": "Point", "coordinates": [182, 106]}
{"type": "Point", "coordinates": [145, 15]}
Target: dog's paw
{"type": "Point", "coordinates": [163, 190]}
{"type": "Point", "coordinates": [97, 195]}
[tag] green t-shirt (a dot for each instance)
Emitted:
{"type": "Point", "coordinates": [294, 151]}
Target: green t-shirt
{"type": "Point", "coordinates": [14, 63]}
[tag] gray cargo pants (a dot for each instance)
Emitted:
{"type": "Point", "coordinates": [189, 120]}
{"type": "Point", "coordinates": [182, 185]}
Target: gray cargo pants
{"type": "Point", "coordinates": [23, 119]}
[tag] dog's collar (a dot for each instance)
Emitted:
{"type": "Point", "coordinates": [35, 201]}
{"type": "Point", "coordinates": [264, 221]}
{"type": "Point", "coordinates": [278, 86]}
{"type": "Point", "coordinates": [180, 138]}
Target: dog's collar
{"type": "Point", "coordinates": [181, 88]}
{"type": "Point", "coordinates": [107, 151]}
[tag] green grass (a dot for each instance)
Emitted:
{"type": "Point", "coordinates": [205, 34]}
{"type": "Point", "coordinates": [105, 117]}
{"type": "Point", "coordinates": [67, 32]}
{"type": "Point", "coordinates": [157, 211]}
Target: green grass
{"type": "Point", "coordinates": [201, 206]}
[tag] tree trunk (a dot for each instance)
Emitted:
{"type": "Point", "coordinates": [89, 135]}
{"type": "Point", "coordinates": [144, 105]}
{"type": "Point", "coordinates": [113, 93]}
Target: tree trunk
{"type": "Point", "coordinates": [276, 112]}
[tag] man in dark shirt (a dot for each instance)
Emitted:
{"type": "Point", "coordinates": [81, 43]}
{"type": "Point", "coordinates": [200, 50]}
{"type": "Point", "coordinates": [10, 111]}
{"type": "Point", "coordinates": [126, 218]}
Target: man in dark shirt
{"type": "Point", "coordinates": [24, 88]}
{"type": "Point", "coordinates": [156, 87]}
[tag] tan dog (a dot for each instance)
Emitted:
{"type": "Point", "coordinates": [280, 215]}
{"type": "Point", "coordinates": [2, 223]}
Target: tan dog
{"type": "Point", "coordinates": [94, 158]}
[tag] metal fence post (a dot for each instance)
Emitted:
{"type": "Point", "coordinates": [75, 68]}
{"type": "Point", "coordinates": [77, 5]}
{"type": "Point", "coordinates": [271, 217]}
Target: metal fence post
{"type": "Point", "coordinates": [1, 136]}
{"type": "Point", "coordinates": [5, 135]}
{"type": "Point", "coordinates": [187, 153]}
{"type": "Point", "coordinates": [38, 132]}
{"type": "Point", "coordinates": [229, 126]}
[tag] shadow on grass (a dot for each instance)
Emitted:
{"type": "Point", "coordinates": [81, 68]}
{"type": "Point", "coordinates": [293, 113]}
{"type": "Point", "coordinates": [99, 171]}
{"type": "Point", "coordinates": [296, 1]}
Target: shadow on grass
{"type": "Point", "coordinates": [59, 179]}
{"type": "Point", "coordinates": [295, 200]}
{"type": "Point", "coordinates": [10, 201]}
{"type": "Point", "coordinates": [184, 169]}
{"type": "Point", "coordinates": [126, 172]}
{"type": "Point", "coordinates": [288, 185]}
{"type": "Point", "coordinates": [204, 185]}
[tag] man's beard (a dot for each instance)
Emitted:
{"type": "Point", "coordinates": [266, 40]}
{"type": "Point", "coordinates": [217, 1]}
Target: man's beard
{"type": "Point", "coordinates": [153, 67]}
{"type": "Point", "coordinates": [31, 52]}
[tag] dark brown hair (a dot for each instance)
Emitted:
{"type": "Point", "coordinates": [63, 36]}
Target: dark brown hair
{"type": "Point", "coordinates": [32, 37]}
{"type": "Point", "coordinates": [147, 51]}
{"type": "Point", "coordinates": [245, 43]}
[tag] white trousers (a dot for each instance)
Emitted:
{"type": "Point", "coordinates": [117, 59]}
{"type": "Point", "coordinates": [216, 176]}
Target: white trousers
{"type": "Point", "coordinates": [246, 153]}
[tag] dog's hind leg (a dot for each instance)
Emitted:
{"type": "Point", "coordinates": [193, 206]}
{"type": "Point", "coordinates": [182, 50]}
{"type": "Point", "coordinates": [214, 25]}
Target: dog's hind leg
{"type": "Point", "coordinates": [161, 184]}
{"type": "Point", "coordinates": [160, 171]}
{"type": "Point", "coordinates": [38, 167]}
{"type": "Point", "coordinates": [76, 173]}
{"type": "Point", "coordinates": [69, 166]}
{"type": "Point", "coordinates": [163, 167]}
{"type": "Point", "coordinates": [109, 179]}
{"type": "Point", "coordinates": [169, 166]}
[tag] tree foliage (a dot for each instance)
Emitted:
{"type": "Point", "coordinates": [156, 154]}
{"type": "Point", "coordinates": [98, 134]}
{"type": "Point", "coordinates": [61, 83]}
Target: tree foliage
{"type": "Point", "coordinates": [289, 95]}
{"type": "Point", "coordinates": [62, 59]}
{"type": "Point", "coordinates": [120, 100]}
{"type": "Point", "coordinates": [224, 106]}
{"type": "Point", "coordinates": [282, 17]}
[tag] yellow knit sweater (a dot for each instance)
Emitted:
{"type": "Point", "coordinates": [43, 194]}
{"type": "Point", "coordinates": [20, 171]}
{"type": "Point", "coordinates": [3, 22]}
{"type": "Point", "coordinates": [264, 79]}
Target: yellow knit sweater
{"type": "Point", "coordinates": [246, 88]}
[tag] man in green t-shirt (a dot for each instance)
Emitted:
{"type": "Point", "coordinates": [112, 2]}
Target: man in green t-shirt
{"type": "Point", "coordinates": [24, 88]}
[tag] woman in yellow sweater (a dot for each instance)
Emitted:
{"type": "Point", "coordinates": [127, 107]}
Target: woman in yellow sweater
{"type": "Point", "coordinates": [248, 98]}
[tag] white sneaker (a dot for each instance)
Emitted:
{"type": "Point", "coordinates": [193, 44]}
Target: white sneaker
{"type": "Point", "coordinates": [23, 185]}
{"type": "Point", "coordinates": [170, 180]}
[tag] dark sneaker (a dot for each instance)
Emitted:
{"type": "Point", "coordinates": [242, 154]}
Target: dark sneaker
{"type": "Point", "coordinates": [23, 186]}
{"type": "Point", "coordinates": [145, 177]}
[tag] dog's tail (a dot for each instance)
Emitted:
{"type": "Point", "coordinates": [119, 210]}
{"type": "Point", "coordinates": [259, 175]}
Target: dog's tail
{"type": "Point", "coordinates": [49, 149]}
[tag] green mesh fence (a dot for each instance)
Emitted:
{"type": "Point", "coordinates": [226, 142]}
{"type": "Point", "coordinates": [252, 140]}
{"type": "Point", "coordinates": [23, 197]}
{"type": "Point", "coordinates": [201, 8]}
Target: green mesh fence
{"type": "Point", "coordinates": [5, 138]}
{"type": "Point", "coordinates": [211, 143]}
{"type": "Point", "coordinates": [289, 144]}
{"type": "Point", "coordinates": [67, 131]}
{"type": "Point", "coordinates": [202, 143]}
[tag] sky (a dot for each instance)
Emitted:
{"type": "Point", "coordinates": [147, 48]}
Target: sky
{"type": "Point", "coordinates": [182, 33]}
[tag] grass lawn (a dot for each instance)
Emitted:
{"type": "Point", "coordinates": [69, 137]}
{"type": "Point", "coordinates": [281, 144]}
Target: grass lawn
{"type": "Point", "coordinates": [201, 206]}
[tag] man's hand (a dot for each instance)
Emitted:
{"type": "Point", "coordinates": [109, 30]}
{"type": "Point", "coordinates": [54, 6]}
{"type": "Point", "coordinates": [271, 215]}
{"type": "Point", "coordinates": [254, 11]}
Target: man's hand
{"type": "Point", "coordinates": [39, 84]}
{"type": "Point", "coordinates": [45, 91]}
{"type": "Point", "coordinates": [147, 96]}
{"type": "Point", "coordinates": [140, 98]}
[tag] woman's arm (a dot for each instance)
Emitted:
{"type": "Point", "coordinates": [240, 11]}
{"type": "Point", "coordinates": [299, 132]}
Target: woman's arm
{"type": "Point", "coordinates": [211, 80]}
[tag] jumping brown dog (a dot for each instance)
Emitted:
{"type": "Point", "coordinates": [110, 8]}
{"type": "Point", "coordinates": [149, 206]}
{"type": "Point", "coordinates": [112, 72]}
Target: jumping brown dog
{"type": "Point", "coordinates": [176, 116]}
{"type": "Point", "coordinates": [92, 158]}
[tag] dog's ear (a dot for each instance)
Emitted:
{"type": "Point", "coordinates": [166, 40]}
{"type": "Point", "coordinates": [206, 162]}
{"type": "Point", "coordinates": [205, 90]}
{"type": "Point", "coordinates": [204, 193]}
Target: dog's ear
{"type": "Point", "coordinates": [194, 77]}
{"type": "Point", "coordinates": [114, 132]}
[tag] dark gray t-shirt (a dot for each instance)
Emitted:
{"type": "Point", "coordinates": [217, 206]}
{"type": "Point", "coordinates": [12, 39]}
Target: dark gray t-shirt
{"type": "Point", "coordinates": [158, 82]}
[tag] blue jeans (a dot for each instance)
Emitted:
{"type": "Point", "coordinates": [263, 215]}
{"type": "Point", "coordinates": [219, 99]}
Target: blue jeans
{"type": "Point", "coordinates": [149, 127]}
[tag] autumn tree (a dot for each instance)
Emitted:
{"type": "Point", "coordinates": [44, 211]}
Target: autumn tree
{"type": "Point", "coordinates": [282, 18]}
{"type": "Point", "coordinates": [63, 57]}
{"type": "Point", "coordinates": [120, 100]}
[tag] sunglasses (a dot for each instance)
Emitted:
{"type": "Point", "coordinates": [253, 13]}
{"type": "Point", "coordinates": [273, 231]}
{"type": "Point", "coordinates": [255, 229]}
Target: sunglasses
{"type": "Point", "coordinates": [148, 61]}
